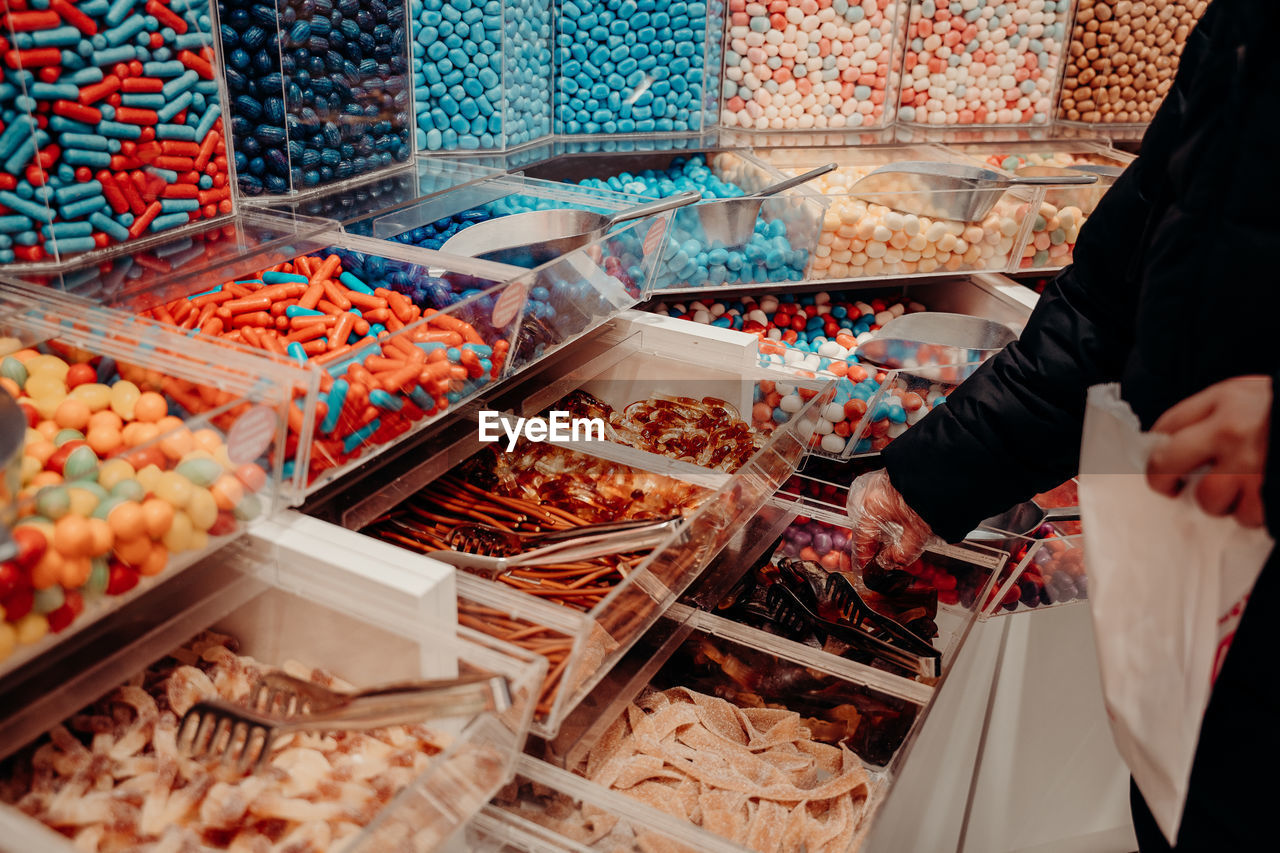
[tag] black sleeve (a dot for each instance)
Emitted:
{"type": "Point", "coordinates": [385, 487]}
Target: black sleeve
{"type": "Point", "coordinates": [1013, 428]}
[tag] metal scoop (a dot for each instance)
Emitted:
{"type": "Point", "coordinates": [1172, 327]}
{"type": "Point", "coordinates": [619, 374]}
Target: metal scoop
{"type": "Point", "coordinates": [732, 221]}
{"type": "Point", "coordinates": [1022, 519]}
{"type": "Point", "coordinates": [538, 236]}
{"type": "Point", "coordinates": [948, 190]}
{"type": "Point", "coordinates": [935, 339]}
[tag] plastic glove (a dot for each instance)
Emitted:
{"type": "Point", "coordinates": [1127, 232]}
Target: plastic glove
{"type": "Point", "coordinates": [885, 529]}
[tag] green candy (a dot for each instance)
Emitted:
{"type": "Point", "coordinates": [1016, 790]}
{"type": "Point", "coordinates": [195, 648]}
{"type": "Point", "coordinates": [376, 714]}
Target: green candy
{"type": "Point", "coordinates": [249, 508]}
{"type": "Point", "coordinates": [53, 502]}
{"type": "Point", "coordinates": [129, 489]}
{"type": "Point", "coordinates": [13, 369]}
{"type": "Point", "coordinates": [103, 509]}
{"type": "Point", "coordinates": [99, 576]}
{"type": "Point", "coordinates": [201, 472]}
{"type": "Point", "coordinates": [82, 464]}
{"type": "Point", "coordinates": [65, 435]}
{"type": "Point", "coordinates": [49, 599]}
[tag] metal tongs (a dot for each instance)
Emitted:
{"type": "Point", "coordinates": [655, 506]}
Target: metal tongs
{"type": "Point", "coordinates": [281, 704]}
{"type": "Point", "coordinates": [555, 547]}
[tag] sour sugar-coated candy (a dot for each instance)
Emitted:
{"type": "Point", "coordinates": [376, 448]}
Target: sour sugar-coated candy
{"type": "Point", "coordinates": [982, 62]}
{"type": "Point", "coordinates": [804, 64]}
{"type": "Point", "coordinates": [320, 90]}
{"type": "Point", "coordinates": [630, 66]}
{"type": "Point", "coordinates": [110, 124]}
{"type": "Point", "coordinates": [481, 72]}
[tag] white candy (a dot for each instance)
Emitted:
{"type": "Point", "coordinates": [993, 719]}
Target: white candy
{"type": "Point", "coordinates": [833, 412]}
{"type": "Point", "coordinates": [791, 403]}
{"type": "Point", "coordinates": [833, 443]}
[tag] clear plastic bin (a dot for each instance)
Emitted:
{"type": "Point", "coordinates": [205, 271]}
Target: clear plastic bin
{"type": "Point", "coordinates": [113, 127]}
{"type": "Point", "coordinates": [777, 248]}
{"type": "Point", "coordinates": [1121, 61]}
{"type": "Point", "coordinates": [265, 603]}
{"type": "Point", "coordinates": [1044, 570]}
{"type": "Point", "coordinates": [473, 321]}
{"type": "Point", "coordinates": [139, 459]}
{"type": "Point", "coordinates": [640, 67]}
{"type": "Point", "coordinates": [779, 67]}
{"type": "Point", "coordinates": [481, 73]}
{"type": "Point", "coordinates": [1062, 210]}
{"type": "Point", "coordinates": [318, 93]}
{"type": "Point", "coordinates": [967, 67]}
{"type": "Point", "coordinates": [864, 236]}
{"type": "Point", "coordinates": [584, 642]}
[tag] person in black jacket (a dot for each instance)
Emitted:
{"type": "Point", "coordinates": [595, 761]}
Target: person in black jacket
{"type": "Point", "coordinates": [1173, 293]}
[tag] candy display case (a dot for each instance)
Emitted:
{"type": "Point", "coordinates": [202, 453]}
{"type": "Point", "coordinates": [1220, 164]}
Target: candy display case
{"type": "Point", "coordinates": [636, 67]}
{"type": "Point", "coordinates": [456, 323]}
{"type": "Point", "coordinates": [1062, 210]}
{"type": "Point", "coordinates": [113, 123]}
{"type": "Point", "coordinates": [981, 64]}
{"type": "Point", "coordinates": [585, 616]}
{"type": "Point", "coordinates": [248, 610]}
{"type": "Point", "coordinates": [481, 73]}
{"type": "Point", "coordinates": [319, 92]}
{"type": "Point", "coordinates": [865, 235]}
{"type": "Point", "coordinates": [1122, 60]}
{"type": "Point", "coordinates": [695, 256]}
{"type": "Point", "coordinates": [807, 67]}
{"type": "Point", "coordinates": [139, 458]}
{"type": "Point", "coordinates": [1045, 569]}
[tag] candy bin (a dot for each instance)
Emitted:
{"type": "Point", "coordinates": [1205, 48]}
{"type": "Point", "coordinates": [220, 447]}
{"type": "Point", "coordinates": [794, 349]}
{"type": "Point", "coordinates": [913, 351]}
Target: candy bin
{"type": "Point", "coordinates": [866, 235]}
{"type": "Point", "coordinates": [247, 614]}
{"type": "Point", "coordinates": [975, 63]}
{"type": "Point", "coordinates": [1046, 568]}
{"type": "Point", "coordinates": [137, 459]}
{"type": "Point", "coordinates": [802, 65]}
{"type": "Point", "coordinates": [778, 249]}
{"type": "Point", "coordinates": [637, 67]}
{"type": "Point", "coordinates": [481, 73]}
{"type": "Point", "coordinates": [585, 616]}
{"type": "Point", "coordinates": [1122, 59]}
{"type": "Point", "coordinates": [112, 126]}
{"type": "Point", "coordinates": [1063, 210]}
{"type": "Point", "coordinates": [320, 91]}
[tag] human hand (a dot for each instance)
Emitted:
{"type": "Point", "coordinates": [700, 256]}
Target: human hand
{"type": "Point", "coordinates": [885, 529]}
{"type": "Point", "coordinates": [1225, 427]}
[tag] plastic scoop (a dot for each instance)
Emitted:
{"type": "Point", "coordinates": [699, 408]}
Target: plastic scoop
{"type": "Point", "coordinates": [732, 221]}
{"type": "Point", "coordinates": [949, 190]}
{"type": "Point", "coordinates": [538, 236]}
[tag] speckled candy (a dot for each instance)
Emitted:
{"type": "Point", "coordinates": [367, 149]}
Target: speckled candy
{"type": "Point", "coordinates": [812, 64]}
{"type": "Point", "coordinates": [110, 126]}
{"type": "Point", "coordinates": [319, 93]}
{"type": "Point", "coordinates": [630, 66]}
{"type": "Point", "coordinates": [481, 73]}
{"type": "Point", "coordinates": [982, 62]}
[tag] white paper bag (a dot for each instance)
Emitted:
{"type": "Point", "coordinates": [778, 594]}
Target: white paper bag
{"type": "Point", "coordinates": [1167, 585]}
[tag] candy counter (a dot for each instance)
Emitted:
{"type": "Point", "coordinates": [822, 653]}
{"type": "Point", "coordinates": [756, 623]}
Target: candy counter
{"type": "Point", "coordinates": [248, 612]}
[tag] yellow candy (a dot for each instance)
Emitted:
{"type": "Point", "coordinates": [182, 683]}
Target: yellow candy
{"type": "Point", "coordinates": [202, 509]}
{"type": "Point", "coordinates": [179, 536]}
{"type": "Point", "coordinates": [113, 471]}
{"type": "Point", "coordinates": [174, 488]}
{"type": "Point", "coordinates": [47, 364]}
{"type": "Point", "coordinates": [94, 394]}
{"type": "Point", "coordinates": [30, 467]}
{"type": "Point", "coordinates": [124, 396]}
{"type": "Point", "coordinates": [8, 639]}
{"type": "Point", "coordinates": [31, 628]}
{"type": "Point", "coordinates": [199, 540]}
{"type": "Point", "coordinates": [149, 477]}
{"type": "Point", "coordinates": [83, 501]}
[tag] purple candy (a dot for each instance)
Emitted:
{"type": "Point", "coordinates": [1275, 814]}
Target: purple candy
{"type": "Point", "coordinates": [822, 543]}
{"type": "Point", "coordinates": [802, 537]}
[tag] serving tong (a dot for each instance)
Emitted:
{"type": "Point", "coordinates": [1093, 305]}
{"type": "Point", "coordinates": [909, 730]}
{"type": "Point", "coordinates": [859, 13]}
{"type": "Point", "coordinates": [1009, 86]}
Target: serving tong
{"type": "Point", "coordinates": [279, 704]}
{"type": "Point", "coordinates": [492, 551]}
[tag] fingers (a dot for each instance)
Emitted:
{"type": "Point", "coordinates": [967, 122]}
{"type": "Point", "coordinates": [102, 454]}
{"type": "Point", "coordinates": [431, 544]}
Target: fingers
{"type": "Point", "coordinates": [1250, 512]}
{"type": "Point", "coordinates": [866, 540]}
{"type": "Point", "coordinates": [1195, 408]}
{"type": "Point", "coordinates": [1218, 494]}
{"type": "Point", "coordinates": [1184, 452]}
{"type": "Point", "coordinates": [908, 546]}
